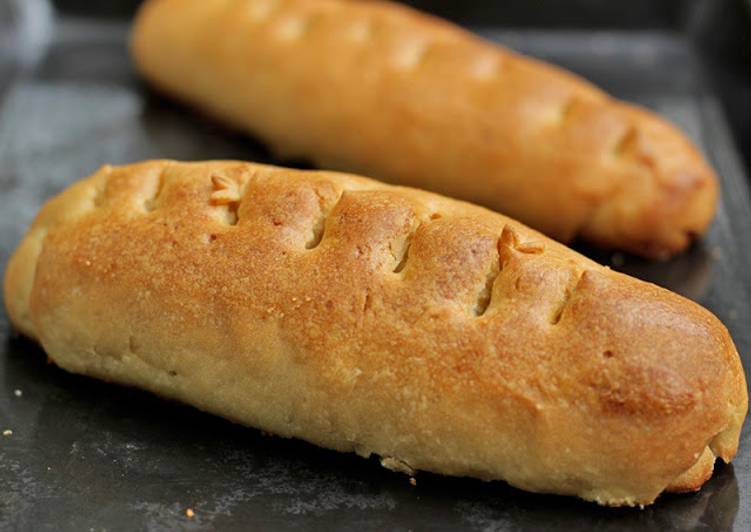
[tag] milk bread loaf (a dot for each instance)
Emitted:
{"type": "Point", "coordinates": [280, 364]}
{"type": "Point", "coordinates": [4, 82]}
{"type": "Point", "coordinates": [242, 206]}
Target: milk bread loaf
{"type": "Point", "coordinates": [382, 90]}
{"type": "Point", "coordinates": [382, 320]}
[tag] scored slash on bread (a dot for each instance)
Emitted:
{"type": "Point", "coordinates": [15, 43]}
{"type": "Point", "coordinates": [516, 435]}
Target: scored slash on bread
{"type": "Point", "coordinates": [382, 320]}
{"type": "Point", "coordinates": [225, 190]}
{"type": "Point", "coordinates": [382, 90]}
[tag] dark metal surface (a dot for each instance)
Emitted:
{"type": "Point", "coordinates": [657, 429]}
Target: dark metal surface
{"type": "Point", "coordinates": [86, 455]}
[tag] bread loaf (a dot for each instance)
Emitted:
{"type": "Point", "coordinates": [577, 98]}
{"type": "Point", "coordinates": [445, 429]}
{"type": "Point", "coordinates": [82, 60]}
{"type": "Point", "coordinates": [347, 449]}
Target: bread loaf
{"type": "Point", "coordinates": [381, 90]}
{"type": "Point", "coordinates": [364, 317]}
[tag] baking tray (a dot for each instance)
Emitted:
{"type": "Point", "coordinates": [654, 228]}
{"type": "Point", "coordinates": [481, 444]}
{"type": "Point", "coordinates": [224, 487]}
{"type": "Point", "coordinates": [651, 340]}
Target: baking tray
{"type": "Point", "coordinates": [90, 456]}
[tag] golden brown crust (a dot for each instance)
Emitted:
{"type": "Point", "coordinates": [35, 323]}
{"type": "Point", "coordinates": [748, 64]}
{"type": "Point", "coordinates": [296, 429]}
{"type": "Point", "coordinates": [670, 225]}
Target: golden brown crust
{"type": "Point", "coordinates": [694, 477]}
{"type": "Point", "coordinates": [376, 319]}
{"type": "Point", "coordinates": [382, 90]}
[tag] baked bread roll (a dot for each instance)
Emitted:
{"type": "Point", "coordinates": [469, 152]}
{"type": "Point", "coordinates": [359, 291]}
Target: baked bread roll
{"type": "Point", "coordinates": [381, 90]}
{"type": "Point", "coordinates": [381, 320]}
